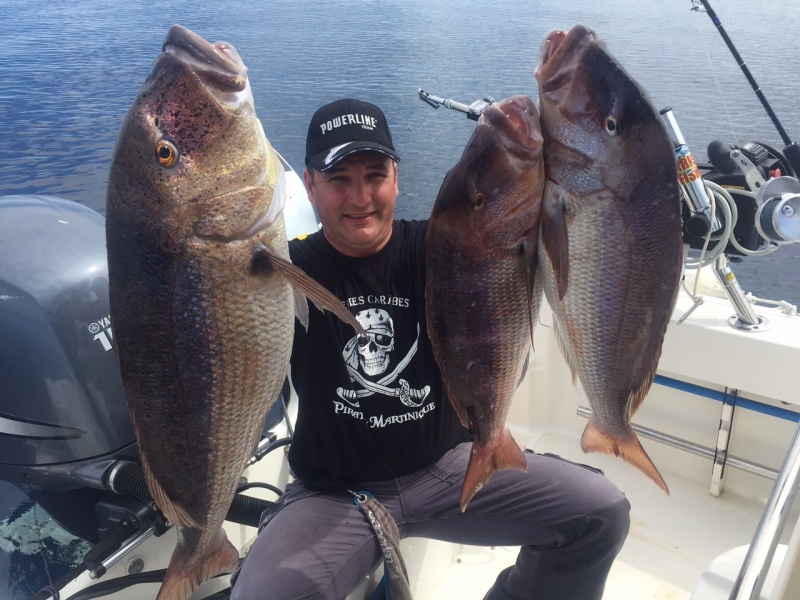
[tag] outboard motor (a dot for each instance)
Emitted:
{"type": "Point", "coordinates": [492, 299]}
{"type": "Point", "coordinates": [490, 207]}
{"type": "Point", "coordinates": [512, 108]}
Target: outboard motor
{"type": "Point", "coordinates": [63, 413]}
{"type": "Point", "coordinates": [66, 439]}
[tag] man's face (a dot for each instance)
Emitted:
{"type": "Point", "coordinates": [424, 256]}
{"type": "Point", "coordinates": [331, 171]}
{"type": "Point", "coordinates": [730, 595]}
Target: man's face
{"type": "Point", "coordinates": [355, 202]}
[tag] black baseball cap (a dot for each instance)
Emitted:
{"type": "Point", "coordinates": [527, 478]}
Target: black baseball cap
{"type": "Point", "coordinates": [345, 127]}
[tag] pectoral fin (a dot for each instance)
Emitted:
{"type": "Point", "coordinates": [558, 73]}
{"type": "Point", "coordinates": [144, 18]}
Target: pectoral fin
{"type": "Point", "coordinates": [556, 240]}
{"type": "Point", "coordinates": [264, 261]}
{"type": "Point", "coordinates": [173, 511]}
{"type": "Point", "coordinates": [530, 249]}
{"type": "Point", "coordinates": [300, 307]}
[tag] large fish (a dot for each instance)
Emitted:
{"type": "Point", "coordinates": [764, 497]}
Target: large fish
{"type": "Point", "coordinates": [201, 305]}
{"type": "Point", "coordinates": [482, 299]}
{"type": "Point", "coordinates": [610, 246]}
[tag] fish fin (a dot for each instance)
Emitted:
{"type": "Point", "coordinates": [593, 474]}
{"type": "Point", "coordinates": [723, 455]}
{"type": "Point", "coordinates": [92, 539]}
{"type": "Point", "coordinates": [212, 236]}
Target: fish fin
{"type": "Point", "coordinates": [264, 260]}
{"type": "Point", "coordinates": [186, 572]}
{"type": "Point", "coordinates": [485, 461]}
{"type": "Point", "coordinates": [533, 282]}
{"type": "Point", "coordinates": [461, 411]}
{"type": "Point", "coordinates": [556, 241]}
{"type": "Point", "coordinates": [173, 512]}
{"type": "Point", "coordinates": [300, 307]}
{"type": "Point", "coordinates": [563, 345]}
{"type": "Point", "coordinates": [525, 366]}
{"type": "Point", "coordinates": [628, 448]}
{"type": "Point", "coordinates": [638, 395]}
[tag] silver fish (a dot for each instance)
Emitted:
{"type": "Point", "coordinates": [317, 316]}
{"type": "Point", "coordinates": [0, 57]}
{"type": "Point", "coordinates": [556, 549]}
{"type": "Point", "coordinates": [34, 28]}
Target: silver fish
{"type": "Point", "coordinates": [610, 246]}
{"type": "Point", "coordinates": [201, 290]}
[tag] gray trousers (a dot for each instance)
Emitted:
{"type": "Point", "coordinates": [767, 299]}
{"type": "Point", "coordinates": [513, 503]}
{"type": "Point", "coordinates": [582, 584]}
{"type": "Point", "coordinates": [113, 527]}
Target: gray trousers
{"type": "Point", "coordinates": [569, 519]}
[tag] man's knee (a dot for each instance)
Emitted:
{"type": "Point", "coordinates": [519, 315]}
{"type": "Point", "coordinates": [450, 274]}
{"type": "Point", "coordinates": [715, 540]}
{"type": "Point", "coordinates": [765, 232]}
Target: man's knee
{"type": "Point", "coordinates": [610, 525]}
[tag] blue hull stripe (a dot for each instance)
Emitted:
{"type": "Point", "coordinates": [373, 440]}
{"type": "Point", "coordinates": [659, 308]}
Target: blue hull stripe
{"type": "Point", "coordinates": [698, 390]}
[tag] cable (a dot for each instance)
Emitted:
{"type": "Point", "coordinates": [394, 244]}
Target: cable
{"type": "Point", "coordinates": [49, 589]}
{"type": "Point", "coordinates": [730, 216]}
{"type": "Point", "coordinates": [729, 221]}
{"type": "Point", "coordinates": [705, 246]}
{"type": "Point", "coordinates": [120, 583]}
{"type": "Point", "coordinates": [714, 73]}
{"type": "Point", "coordinates": [258, 484]}
{"type": "Point", "coordinates": [731, 205]}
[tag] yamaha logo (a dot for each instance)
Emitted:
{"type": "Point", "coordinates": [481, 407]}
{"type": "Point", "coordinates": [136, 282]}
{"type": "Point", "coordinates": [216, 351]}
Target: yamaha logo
{"type": "Point", "coordinates": [101, 330]}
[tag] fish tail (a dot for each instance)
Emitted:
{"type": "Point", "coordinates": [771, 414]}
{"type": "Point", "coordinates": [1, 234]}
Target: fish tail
{"type": "Point", "coordinates": [485, 461]}
{"type": "Point", "coordinates": [628, 448]}
{"type": "Point", "coordinates": [187, 571]}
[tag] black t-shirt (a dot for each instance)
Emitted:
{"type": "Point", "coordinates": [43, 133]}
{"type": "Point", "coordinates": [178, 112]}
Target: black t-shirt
{"type": "Point", "coordinates": [368, 410]}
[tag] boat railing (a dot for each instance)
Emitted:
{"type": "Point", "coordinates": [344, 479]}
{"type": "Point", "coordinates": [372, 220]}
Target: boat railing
{"type": "Point", "coordinates": [758, 560]}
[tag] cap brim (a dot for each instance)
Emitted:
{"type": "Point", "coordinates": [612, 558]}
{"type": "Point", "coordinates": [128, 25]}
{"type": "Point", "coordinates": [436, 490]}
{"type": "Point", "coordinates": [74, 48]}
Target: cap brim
{"type": "Point", "coordinates": [328, 158]}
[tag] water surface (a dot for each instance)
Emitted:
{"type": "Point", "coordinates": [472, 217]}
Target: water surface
{"type": "Point", "coordinates": [69, 71]}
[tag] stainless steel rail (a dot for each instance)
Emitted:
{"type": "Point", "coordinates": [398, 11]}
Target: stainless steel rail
{"type": "Point", "coordinates": [759, 556]}
{"type": "Point", "coordinates": [756, 564]}
{"type": "Point", "coordinates": [696, 449]}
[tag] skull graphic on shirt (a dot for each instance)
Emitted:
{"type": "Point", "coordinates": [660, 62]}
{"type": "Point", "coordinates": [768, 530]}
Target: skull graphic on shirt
{"type": "Point", "coordinates": [371, 356]}
{"type": "Point", "coordinates": [375, 349]}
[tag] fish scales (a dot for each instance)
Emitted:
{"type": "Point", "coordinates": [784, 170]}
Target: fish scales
{"type": "Point", "coordinates": [610, 247]}
{"type": "Point", "coordinates": [481, 296]}
{"type": "Point", "coordinates": [602, 303]}
{"type": "Point", "coordinates": [203, 297]}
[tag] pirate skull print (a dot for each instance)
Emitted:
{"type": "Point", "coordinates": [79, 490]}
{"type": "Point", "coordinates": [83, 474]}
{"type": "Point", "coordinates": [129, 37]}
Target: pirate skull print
{"type": "Point", "coordinates": [370, 356]}
{"type": "Point", "coordinates": [375, 349]}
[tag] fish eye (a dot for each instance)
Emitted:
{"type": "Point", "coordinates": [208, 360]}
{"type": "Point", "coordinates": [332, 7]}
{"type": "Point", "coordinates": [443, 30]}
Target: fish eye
{"type": "Point", "coordinates": [166, 153]}
{"type": "Point", "coordinates": [478, 202]}
{"type": "Point", "coordinates": [611, 125]}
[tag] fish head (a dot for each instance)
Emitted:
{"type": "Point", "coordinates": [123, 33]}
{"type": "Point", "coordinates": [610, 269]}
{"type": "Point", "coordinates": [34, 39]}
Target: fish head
{"type": "Point", "coordinates": [493, 194]}
{"type": "Point", "coordinates": [191, 159]}
{"type": "Point", "coordinates": [595, 117]}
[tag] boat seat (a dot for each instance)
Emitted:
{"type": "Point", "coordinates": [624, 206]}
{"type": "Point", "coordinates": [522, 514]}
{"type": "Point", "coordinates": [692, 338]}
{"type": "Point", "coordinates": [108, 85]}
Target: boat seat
{"type": "Point", "coordinates": [718, 578]}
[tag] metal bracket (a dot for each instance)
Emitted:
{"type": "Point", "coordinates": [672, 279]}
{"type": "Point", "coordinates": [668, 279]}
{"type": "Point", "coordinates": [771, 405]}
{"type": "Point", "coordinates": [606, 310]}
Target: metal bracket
{"type": "Point", "coordinates": [723, 442]}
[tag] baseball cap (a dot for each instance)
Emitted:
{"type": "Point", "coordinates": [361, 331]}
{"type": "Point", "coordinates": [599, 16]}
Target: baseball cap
{"type": "Point", "coordinates": [345, 127]}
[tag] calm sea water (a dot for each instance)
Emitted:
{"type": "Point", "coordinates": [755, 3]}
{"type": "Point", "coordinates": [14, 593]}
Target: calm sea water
{"type": "Point", "coordinates": [70, 69]}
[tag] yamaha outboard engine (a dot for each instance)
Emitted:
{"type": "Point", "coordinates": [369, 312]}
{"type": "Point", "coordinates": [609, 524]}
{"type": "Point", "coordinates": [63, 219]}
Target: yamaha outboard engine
{"type": "Point", "coordinates": [66, 438]}
{"type": "Point", "coordinates": [63, 414]}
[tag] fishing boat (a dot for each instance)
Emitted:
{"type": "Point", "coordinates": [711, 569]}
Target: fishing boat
{"type": "Point", "coordinates": [720, 422]}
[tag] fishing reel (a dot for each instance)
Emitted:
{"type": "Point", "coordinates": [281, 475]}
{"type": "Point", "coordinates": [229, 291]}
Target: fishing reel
{"type": "Point", "coordinates": [778, 217]}
{"type": "Point", "coordinates": [746, 202]}
{"type": "Point", "coordinates": [771, 208]}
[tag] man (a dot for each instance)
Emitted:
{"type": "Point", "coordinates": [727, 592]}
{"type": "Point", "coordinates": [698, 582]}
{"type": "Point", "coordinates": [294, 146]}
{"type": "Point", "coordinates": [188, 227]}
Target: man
{"type": "Point", "coordinates": [373, 414]}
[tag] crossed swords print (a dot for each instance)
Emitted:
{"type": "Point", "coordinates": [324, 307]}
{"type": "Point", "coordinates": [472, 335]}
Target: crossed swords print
{"type": "Point", "coordinates": [408, 395]}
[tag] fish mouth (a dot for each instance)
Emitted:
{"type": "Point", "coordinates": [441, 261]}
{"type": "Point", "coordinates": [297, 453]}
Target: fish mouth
{"type": "Point", "coordinates": [518, 118]}
{"type": "Point", "coordinates": [218, 65]}
{"type": "Point", "coordinates": [560, 52]}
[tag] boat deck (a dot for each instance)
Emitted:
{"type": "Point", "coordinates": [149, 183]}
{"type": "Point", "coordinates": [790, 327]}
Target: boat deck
{"type": "Point", "coordinates": [663, 557]}
{"type": "Point", "coordinates": [673, 539]}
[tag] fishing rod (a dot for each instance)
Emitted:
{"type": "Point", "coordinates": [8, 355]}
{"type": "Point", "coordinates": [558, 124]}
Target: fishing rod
{"type": "Point", "coordinates": [473, 111]}
{"type": "Point", "coordinates": [791, 149]}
